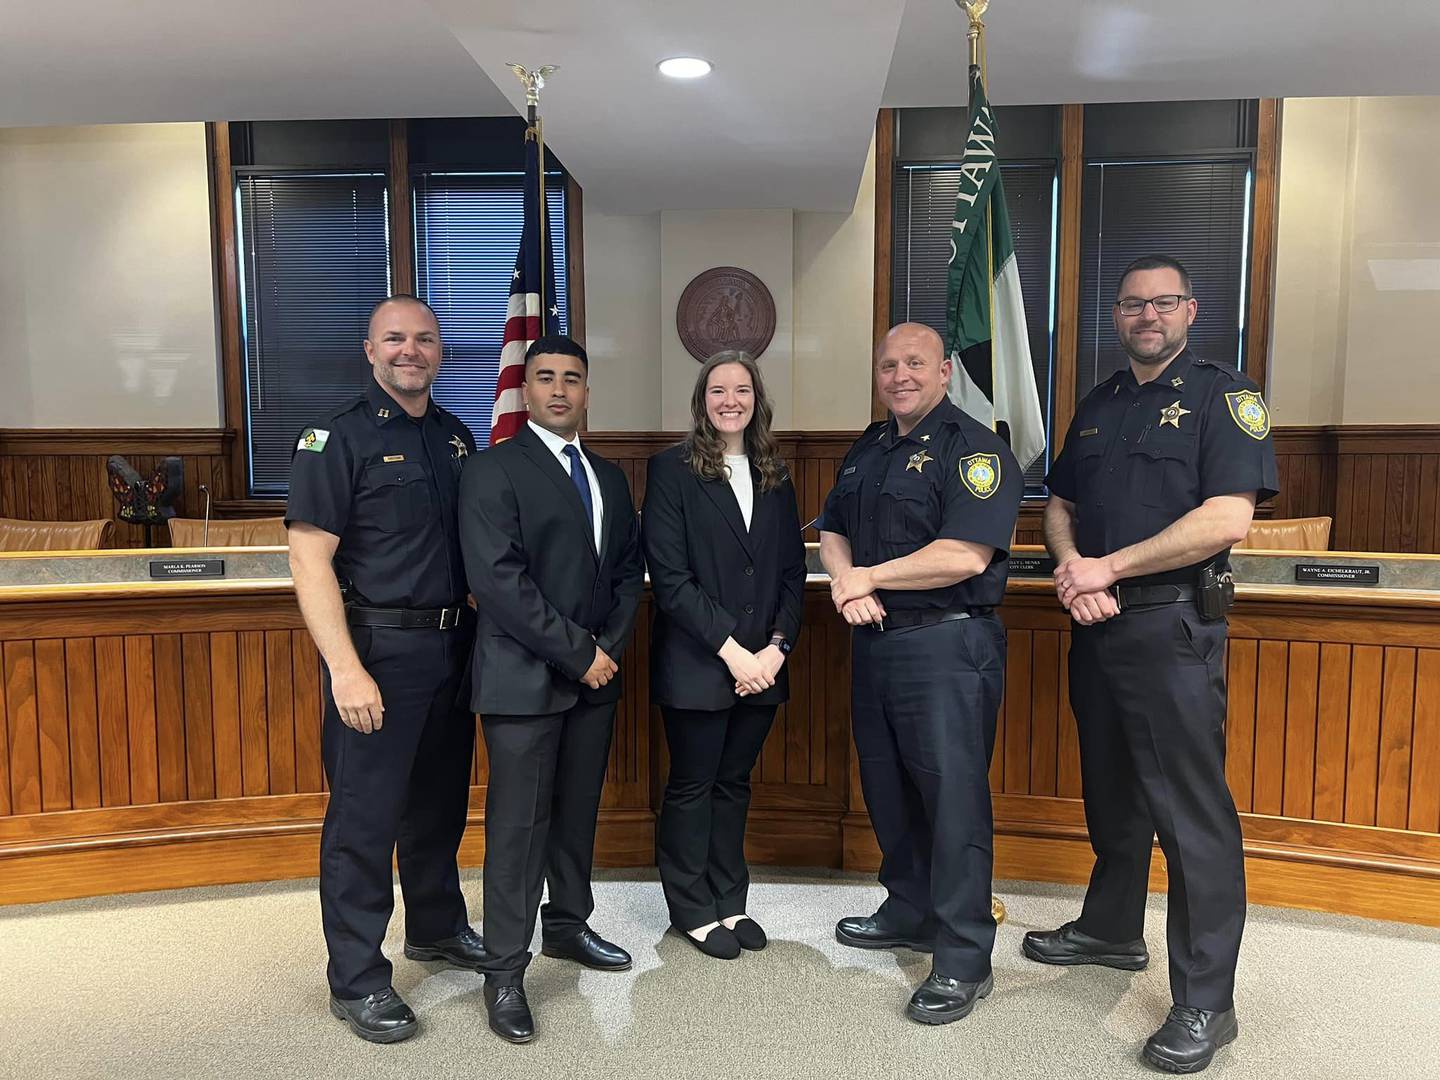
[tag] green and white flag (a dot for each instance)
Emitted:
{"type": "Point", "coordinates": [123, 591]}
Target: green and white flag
{"type": "Point", "coordinates": [991, 377]}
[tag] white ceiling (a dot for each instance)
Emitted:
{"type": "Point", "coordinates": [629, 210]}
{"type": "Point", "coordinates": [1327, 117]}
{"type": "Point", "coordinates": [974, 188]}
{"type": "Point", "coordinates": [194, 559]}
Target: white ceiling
{"type": "Point", "coordinates": [784, 121]}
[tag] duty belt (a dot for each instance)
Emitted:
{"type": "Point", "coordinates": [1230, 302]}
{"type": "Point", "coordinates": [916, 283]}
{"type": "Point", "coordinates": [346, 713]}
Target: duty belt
{"type": "Point", "coordinates": [1128, 596]}
{"type": "Point", "coordinates": [406, 618]}
{"type": "Point", "coordinates": [929, 616]}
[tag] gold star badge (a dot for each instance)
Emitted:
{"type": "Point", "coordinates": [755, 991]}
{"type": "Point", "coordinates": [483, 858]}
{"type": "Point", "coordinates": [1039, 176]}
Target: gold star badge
{"type": "Point", "coordinates": [1171, 415]}
{"type": "Point", "coordinates": [1177, 382]}
{"type": "Point", "coordinates": [918, 461]}
{"type": "Point", "coordinates": [461, 450]}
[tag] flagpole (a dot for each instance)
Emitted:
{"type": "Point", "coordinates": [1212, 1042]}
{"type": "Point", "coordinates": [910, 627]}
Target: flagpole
{"type": "Point", "coordinates": [976, 9]}
{"type": "Point", "coordinates": [534, 82]}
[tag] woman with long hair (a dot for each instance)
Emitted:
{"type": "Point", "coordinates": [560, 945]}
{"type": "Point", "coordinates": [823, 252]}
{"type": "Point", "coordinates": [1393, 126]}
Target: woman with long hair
{"type": "Point", "coordinates": [727, 571]}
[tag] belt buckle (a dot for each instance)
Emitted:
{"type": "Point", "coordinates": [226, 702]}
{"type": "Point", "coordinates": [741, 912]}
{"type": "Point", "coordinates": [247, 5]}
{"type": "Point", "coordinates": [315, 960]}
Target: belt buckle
{"type": "Point", "coordinates": [449, 623]}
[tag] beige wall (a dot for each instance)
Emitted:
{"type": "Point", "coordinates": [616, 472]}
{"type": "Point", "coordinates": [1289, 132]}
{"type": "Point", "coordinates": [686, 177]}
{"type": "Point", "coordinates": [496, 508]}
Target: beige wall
{"type": "Point", "coordinates": [107, 315]}
{"type": "Point", "coordinates": [819, 267]}
{"type": "Point", "coordinates": [1357, 273]}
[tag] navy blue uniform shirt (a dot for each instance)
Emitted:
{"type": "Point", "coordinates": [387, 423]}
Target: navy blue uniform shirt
{"type": "Point", "coordinates": [386, 484]}
{"type": "Point", "coordinates": [1138, 458]}
{"type": "Point", "coordinates": [951, 478]}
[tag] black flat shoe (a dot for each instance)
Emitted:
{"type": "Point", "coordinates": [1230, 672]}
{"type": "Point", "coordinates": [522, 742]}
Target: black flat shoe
{"type": "Point", "coordinates": [943, 1001]}
{"type": "Point", "coordinates": [1067, 945]}
{"type": "Point", "coordinates": [509, 1013]}
{"type": "Point", "coordinates": [381, 1017]}
{"type": "Point", "coordinates": [590, 949]}
{"type": "Point", "coordinates": [1189, 1038]}
{"type": "Point", "coordinates": [465, 950]}
{"type": "Point", "coordinates": [719, 943]}
{"type": "Point", "coordinates": [863, 932]}
{"type": "Point", "coordinates": [750, 934]}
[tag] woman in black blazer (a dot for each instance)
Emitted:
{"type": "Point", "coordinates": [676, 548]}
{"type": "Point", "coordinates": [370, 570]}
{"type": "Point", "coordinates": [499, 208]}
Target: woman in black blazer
{"type": "Point", "coordinates": [727, 570]}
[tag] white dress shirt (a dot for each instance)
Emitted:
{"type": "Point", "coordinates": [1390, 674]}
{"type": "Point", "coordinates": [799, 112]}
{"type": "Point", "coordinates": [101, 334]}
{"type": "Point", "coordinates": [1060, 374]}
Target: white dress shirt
{"type": "Point", "coordinates": [738, 466]}
{"type": "Point", "coordinates": [556, 445]}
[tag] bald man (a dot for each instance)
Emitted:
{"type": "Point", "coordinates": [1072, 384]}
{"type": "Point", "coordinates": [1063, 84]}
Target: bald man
{"type": "Point", "coordinates": [915, 536]}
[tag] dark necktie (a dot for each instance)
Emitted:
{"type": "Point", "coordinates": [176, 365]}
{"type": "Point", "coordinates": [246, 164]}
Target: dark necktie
{"type": "Point", "coordinates": [582, 484]}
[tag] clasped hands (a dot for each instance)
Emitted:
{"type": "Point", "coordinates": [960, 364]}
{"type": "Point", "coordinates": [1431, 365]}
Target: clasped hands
{"type": "Point", "coordinates": [602, 670]}
{"type": "Point", "coordinates": [853, 593]}
{"type": "Point", "coordinates": [1083, 588]}
{"type": "Point", "coordinates": [753, 672]}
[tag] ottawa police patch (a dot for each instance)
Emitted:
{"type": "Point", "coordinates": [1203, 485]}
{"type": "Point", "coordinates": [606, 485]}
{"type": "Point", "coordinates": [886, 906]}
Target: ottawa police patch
{"type": "Point", "coordinates": [313, 439]}
{"type": "Point", "coordinates": [1248, 411]}
{"type": "Point", "coordinates": [981, 474]}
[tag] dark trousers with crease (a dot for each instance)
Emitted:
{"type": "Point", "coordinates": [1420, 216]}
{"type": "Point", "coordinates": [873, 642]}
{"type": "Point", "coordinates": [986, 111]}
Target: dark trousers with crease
{"type": "Point", "coordinates": [700, 846]}
{"type": "Point", "coordinates": [400, 792]}
{"type": "Point", "coordinates": [546, 775]}
{"type": "Point", "coordinates": [923, 706]}
{"type": "Point", "coordinates": [1148, 691]}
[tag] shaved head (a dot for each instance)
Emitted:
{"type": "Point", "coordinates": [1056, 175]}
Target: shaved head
{"type": "Point", "coordinates": [398, 298]}
{"type": "Point", "coordinates": [918, 334]}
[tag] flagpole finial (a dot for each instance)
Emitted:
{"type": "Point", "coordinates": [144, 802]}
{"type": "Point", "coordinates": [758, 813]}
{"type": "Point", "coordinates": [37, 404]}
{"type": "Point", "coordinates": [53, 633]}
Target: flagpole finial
{"type": "Point", "coordinates": [535, 80]}
{"type": "Point", "coordinates": [976, 10]}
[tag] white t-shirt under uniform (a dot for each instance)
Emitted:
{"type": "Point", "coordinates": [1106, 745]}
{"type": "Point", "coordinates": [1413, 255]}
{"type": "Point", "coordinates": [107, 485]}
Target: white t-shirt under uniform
{"type": "Point", "coordinates": [738, 466]}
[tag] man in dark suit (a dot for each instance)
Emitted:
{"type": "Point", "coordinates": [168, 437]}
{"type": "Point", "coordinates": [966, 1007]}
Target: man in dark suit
{"type": "Point", "coordinates": [552, 554]}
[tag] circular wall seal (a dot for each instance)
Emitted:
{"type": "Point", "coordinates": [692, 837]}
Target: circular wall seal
{"type": "Point", "coordinates": [725, 308]}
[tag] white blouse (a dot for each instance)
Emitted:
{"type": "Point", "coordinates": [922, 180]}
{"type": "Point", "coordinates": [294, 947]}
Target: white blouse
{"type": "Point", "coordinates": [738, 466]}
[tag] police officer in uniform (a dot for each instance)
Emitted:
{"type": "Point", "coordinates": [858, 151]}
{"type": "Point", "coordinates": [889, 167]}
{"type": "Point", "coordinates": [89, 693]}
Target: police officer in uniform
{"type": "Point", "coordinates": [915, 536]}
{"type": "Point", "coordinates": [1159, 475]}
{"type": "Point", "coordinates": [373, 504]}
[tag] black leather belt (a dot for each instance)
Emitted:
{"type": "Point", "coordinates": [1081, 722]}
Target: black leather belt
{"type": "Point", "coordinates": [406, 618]}
{"type": "Point", "coordinates": [1128, 596]}
{"type": "Point", "coordinates": [929, 616]}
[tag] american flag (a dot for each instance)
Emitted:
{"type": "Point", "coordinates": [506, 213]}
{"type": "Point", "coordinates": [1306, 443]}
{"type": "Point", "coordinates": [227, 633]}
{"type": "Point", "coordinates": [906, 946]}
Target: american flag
{"type": "Point", "coordinates": [527, 317]}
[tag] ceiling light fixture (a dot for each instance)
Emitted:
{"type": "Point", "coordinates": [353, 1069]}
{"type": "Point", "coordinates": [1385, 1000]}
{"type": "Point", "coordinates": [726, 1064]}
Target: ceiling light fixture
{"type": "Point", "coordinates": [685, 67]}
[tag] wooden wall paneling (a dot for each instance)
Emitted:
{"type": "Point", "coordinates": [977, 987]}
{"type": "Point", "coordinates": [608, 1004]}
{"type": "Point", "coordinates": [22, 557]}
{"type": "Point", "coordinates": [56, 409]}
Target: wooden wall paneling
{"type": "Point", "coordinates": [199, 714]}
{"type": "Point", "coordinates": [798, 715]}
{"type": "Point", "coordinates": [141, 720]}
{"type": "Point", "coordinates": [1067, 765]}
{"type": "Point", "coordinates": [884, 236]}
{"type": "Point", "coordinates": [1263, 236]}
{"type": "Point", "coordinates": [280, 710]}
{"type": "Point", "coordinates": [1397, 719]}
{"type": "Point", "coordinates": [575, 256]}
{"type": "Point", "coordinates": [225, 714]}
{"type": "Point", "coordinates": [1362, 766]}
{"type": "Point", "coordinates": [1242, 663]}
{"type": "Point", "coordinates": [50, 708]}
{"type": "Point", "coordinates": [254, 734]}
{"type": "Point", "coordinates": [84, 723]}
{"type": "Point", "coordinates": [1044, 711]}
{"type": "Point", "coordinates": [226, 254]}
{"type": "Point", "coordinates": [1017, 713]}
{"type": "Point", "coordinates": [1270, 728]}
{"type": "Point", "coordinates": [1331, 729]}
{"type": "Point", "coordinates": [1427, 536]}
{"type": "Point", "coordinates": [1301, 694]}
{"type": "Point", "coordinates": [24, 729]}
{"type": "Point", "coordinates": [1425, 745]}
{"type": "Point", "coordinates": [305, 659]}
{"type": "Point", "coordinates": [1067, 299]}
{"type": "Point", "coordinates": [402, 232]}
{"type": "Point", "coordinates": [5, 806]}
{"type": "Point", "coordinates": [1342, 535]}
{"type": "Point", "coordinates": [170, 716]}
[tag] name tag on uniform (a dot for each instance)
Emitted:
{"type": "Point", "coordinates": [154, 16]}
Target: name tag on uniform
{"type": "Point", "coordinates": [1090, 431]}
{"type": "Point", "coordinates": [394, 457]}
{"type": "Point", "coordinates": [848, 471]}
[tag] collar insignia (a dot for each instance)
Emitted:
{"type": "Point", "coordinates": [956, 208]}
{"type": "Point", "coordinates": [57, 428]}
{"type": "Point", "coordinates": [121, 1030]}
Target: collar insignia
{"type": "Point", "coordinates": [384, 414]}
{"type": "Point", "coordinates": [1177, 382]}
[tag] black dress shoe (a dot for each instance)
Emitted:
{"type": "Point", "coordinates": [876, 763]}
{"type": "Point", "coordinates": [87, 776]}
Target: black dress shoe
{"type": "Point", "coordinates": [590, 949]}
{"type": "Point", "coordinates": [750, 934]}
{"type": "Point", "coordinates": [942, 1001]}
{"type": "Point", "coordinates": [1189, 1038]}
{"type": "Point", "coordinates": [509, 1012]}
{"type": "Point", "coordinates": [465, 950]}
{"type": "Point", "coordinates": [863, 932]}
{"type": "Point", "coordinates": [719, 943]}
{"type": "Point", "coordinates": [1067, 945]}
{"type": "Point", "coordinates": [381, 1017]}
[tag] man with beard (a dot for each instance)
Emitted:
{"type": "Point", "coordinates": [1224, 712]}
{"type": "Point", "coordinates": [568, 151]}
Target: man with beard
{"type": "Point", "coordinates": [1159, 475]}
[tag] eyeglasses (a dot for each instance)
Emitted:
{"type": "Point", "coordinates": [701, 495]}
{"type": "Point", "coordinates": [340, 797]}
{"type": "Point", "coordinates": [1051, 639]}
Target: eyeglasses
{"type": "Point", "coordinates": [1163, 305]}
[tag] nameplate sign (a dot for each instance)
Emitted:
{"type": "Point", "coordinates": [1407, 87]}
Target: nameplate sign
{"type": "Point", "coordinates": [1328, 574]}
{"type": "Point", "coordinates": [187, 568]}
{"type": "Point", "coordinates": [1031, 566]}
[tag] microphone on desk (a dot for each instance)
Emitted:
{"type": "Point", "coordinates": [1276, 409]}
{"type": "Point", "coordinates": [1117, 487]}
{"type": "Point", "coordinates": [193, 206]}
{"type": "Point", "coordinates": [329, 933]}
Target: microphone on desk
{"type": "Point", "coordinates": [205, 532]}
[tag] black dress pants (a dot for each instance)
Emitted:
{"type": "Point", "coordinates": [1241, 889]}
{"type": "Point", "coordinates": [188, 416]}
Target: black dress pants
{"type": "Point", "coordinates": [406, 786]}
{"type": "Point", "coordinates": [1148, 691]}
{"type": "Point", "coordinates": [923, 706]}
{"type": "Point", "coordinates": [701, 841]}
{"type": "Point", "coordinates": [546, 774]}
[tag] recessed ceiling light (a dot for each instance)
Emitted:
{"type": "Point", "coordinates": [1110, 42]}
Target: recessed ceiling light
{"type": "Point", "coordinates": [685, 67]}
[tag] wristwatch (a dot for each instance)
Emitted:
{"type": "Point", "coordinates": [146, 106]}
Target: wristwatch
{"type": "Point", "coordinates": [778, 640]}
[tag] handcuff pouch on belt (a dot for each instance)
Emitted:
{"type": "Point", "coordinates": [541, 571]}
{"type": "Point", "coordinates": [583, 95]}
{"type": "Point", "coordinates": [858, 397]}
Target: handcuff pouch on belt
{"type": "Point", "coordinates": [1214, 592]}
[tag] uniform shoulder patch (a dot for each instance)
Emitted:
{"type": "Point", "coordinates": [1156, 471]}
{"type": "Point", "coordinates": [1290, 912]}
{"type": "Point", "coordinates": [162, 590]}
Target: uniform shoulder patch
{"type": "Point", "coordinates": [313, 438]}
{"type": "Point", "coordinates": [1247, 409]}
{"type": "Point", "coordinates": [980, 473]}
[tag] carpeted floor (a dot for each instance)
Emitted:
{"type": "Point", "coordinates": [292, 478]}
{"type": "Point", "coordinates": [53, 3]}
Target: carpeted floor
{"type": "Point", "coordinates": [229, 982]}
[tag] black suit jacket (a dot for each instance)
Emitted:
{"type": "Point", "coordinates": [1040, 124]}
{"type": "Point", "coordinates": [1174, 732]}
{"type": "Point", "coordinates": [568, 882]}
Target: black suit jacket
{"type": "Point", "coordinates": [545, 596]}
{"type": "Point", "coordinates": [712, 579]}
